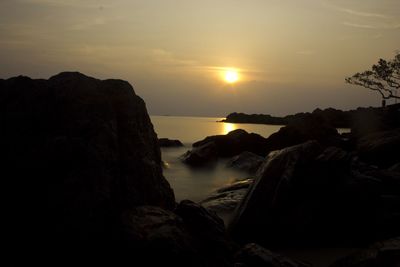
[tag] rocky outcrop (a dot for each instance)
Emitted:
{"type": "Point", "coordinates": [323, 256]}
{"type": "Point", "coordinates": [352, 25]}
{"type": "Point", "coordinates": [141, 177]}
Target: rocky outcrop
{"type": "Point", "coordinates": [253, 255]}
{"type": "Point", "coordinates": [189, 237]}
{"type": "Point", "coordinates": [306, 194]}
{"type": "Point", "coordinates": [300, 131]}
{"type": "Point", "coordinates": [226, 199]}
{"type": "Point", "coordinates": [75, 153]}
{"type": "Point", "coordinates": [222, 146]}
{"type": "Point", "coordinates": [165, 142]}
{"type": "Point", "coordinates": [246, 162]}
{"type": "Point", "coordinates": [386, 253]}
{"type": "Point", "coordinates": [380, 148]}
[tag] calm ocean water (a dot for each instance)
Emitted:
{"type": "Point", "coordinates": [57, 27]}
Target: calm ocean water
{"type": "Point", "coordinates": [198, 184]}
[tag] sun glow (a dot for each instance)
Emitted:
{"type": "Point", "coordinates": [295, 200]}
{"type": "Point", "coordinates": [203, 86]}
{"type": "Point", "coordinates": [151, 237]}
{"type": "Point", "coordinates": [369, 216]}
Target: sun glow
{"type": "Point", "coordinates": [231, 76]}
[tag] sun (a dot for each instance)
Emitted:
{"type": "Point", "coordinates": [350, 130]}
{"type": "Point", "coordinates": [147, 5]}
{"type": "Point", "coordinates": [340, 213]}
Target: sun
{"type": "Point", "coordinates": [231, 76]}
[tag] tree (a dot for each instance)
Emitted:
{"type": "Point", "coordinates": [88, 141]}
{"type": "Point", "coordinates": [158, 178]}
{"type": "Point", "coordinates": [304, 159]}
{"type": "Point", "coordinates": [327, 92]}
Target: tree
{"type": "Point", "coordinates": [383, 77]}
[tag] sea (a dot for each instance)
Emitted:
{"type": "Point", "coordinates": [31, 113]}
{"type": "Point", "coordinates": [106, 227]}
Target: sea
{"type": "Point", "coordinates": [197, 184]}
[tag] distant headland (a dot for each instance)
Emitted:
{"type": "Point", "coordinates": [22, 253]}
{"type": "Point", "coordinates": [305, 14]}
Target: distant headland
{"type": "Point", "coordinates": [335, 117]}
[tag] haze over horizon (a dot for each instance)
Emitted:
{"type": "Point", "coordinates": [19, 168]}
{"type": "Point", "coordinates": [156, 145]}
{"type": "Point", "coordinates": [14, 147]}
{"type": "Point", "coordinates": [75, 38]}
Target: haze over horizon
{"type": "Point", "coordinates": [289, 57]}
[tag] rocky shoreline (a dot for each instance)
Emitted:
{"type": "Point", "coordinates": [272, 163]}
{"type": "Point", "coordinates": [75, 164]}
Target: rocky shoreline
{"type": "Point", "coordinates": [84, 184]}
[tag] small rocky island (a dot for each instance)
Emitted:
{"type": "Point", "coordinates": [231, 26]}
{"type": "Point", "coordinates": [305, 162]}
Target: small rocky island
{"type": "Point", "coordinates": [84, 185]}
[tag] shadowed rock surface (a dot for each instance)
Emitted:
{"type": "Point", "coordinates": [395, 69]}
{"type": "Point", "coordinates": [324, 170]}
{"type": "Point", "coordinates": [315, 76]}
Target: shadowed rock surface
{"type": "Point", "coordinates": [306, 195]}
{"type": "Point", "coordinates": [246, 161]}
{"type": "Point", "coordinates": [385, 253]}
{"type": "Point", "coordinates": [165, 142]}
{"type": "Point", "coordinates": [76, 152]}
{"type": "Point", "coordinates": [226, 199]}
{"type": "Point", "coordinates": [253, 255]}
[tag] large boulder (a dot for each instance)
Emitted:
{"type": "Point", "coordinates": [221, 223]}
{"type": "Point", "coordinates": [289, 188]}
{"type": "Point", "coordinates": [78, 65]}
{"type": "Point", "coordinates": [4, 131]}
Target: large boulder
{"type": "Point", "coordinates": [253, 255]}
{"type": "Point", "coordinates": [189, 237]}
{"type": "Point", "coordinates": [165, 142]}
{"type": "Point", "coordinates": [385, 253]}
{"type": "Point", "coordinates": [223, 146]}
{"type": "Point", "coordinates": [380, 148]}
{"type": "Point", "coordinates": [307, 195]}
{"type": "Point", "coordinates": [76, 152]}
{"type": "Point", "coordinates": [224, 200]}
{"type": "Point", "coordinates": [308, 127]}
{"type": "Point", "coordinates": [246, 162]}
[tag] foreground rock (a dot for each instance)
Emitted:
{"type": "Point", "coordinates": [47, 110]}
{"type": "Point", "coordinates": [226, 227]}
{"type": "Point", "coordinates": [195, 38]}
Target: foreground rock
{"type": "Point", "coordinates": [246, 162]}
{"type": "Point", "coordinates": [189, 237]}
{"type": "Point", "coordinates": [165, 142]}
{"type": "Point", "coordinates": [380, 148]}
{"type": "Point", "coordinates": [226, 199]}
{"type": "Point", "coordinates": [253, 255]}
{"type": "Point", "coordinates": [386, 253]}
{"type": "Point", "coordinates": [307, 195]}
{"type": "Point", "coordinates": [76, 152]}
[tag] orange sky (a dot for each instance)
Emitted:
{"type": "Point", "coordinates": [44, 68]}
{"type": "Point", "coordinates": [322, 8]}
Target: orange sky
{"type": "Point", "coordinates": [292, 55]}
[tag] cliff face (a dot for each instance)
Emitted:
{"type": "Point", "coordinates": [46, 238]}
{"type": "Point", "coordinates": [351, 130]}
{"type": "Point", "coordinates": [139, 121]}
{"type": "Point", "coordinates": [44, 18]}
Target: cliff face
{"type": "Point", "coordinates": [75, 153]}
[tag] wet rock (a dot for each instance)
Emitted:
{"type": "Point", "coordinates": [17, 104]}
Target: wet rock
{"type": "Point", "coordinates": [246, 161]}
{"type": "Point", "coordinates": [386, 253]}
{"type": "Point", "coordinates": [165, 142]}
{"type": "Point", "coordinates": [226, 199]}
{"type": "Point", "coordinates": [205, 154]}
{"type": "Point", "coordinates": [253, 255]}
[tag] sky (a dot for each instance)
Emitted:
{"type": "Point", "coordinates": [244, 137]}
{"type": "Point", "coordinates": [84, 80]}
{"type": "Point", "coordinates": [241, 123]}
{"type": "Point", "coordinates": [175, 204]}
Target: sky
{"type": "Point", "coordinates": [290, 55]}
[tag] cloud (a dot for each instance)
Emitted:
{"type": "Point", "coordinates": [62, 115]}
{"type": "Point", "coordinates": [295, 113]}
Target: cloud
{"type": "Point", "coordinates": [370, 26]}
{"type": "Point", "coordinates": [357, 12]}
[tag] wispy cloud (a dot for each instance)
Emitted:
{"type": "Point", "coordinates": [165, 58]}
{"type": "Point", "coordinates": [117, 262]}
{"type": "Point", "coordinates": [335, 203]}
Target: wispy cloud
{"type": "Point", "coordinates": [370, 26]}
{"type": "Point", "coordinates": [357, 12]}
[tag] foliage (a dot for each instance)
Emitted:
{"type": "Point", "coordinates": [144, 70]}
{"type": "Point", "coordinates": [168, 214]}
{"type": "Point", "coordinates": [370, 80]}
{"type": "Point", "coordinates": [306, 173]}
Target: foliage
{"type": "Point", "coordinates": [383, 77]}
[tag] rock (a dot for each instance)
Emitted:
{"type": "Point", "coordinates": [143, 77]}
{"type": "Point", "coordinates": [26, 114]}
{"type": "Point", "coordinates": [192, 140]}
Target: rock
{"type": "Point", "coordinates": [385, 253]}
{"type": "Point", "coordinates": [222, 146]}
{"type": "Point", "coordinates": [225, 200]}
{"type": "Point", "coordinates": [299, 131]}
{"type": "Point", "coordinates": [246, 161]}
{"type": "Point", "coordinates": [380, 148]}
{"type": "Point", "coordinates": [205, 154]}
{"type": "Point", "coordinates": [208, 231]}
{"type": "Point", "coordinates": [76, 152]}
{"type": "Point", "coordinates": [253, 255]}
{"type": "Point", "coordinates": [165, 142]}
{"type": "Point", "coordinates": [307, 195]}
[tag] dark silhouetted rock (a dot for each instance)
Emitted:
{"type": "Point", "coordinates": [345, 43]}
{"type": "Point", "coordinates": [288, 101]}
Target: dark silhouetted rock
{"type": "Point", "coordinates": [253, 255]}
{"type": "Point", "coordinates": [189, 237]}
{"type": "Point", "coordinates": [208, 232]}
{"type": "Point", "coordinates": [226, 199]}
{"type": "Point", "coordinates": [380, 148]}
{"type": "Point", "coordinates": [201, 155]}
{"type": "Point", "coordinates": [246, 161]}
{"type": "Point", "coordinates": [386, 253]}
{"type": "Point", "coordinates": [306, 195]}
{"type": "Point", "coordinates": [302, 130]}
{"type": "Point", "coordinates": [165, 142]}
{"type": "Point", "coordinates": [222, 146]}
{"type": "Point", "coordinates": [76, 152]}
